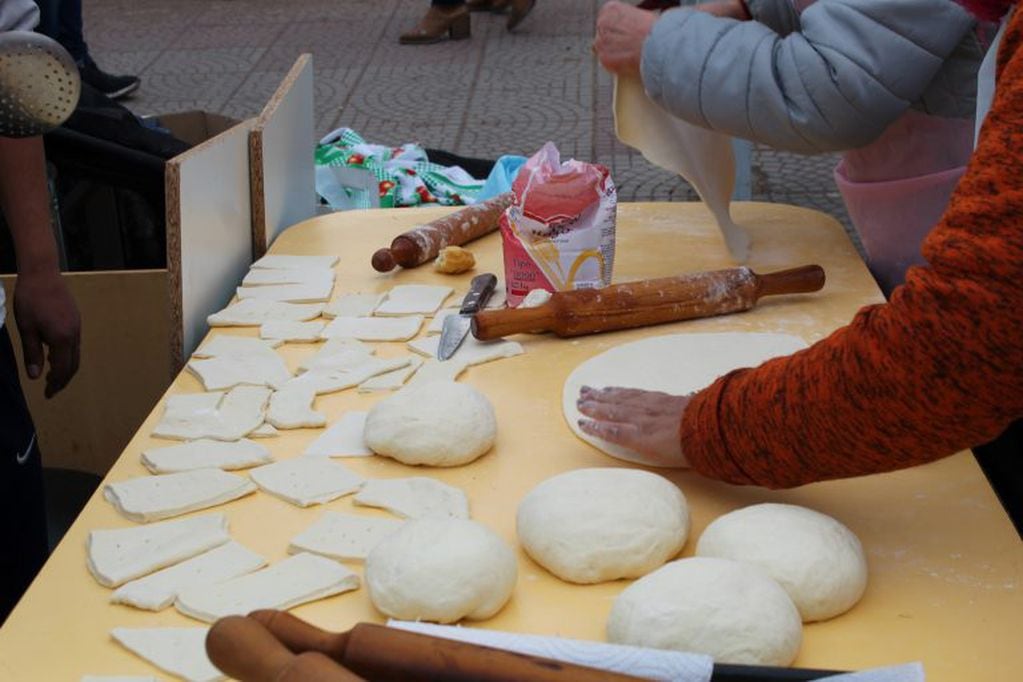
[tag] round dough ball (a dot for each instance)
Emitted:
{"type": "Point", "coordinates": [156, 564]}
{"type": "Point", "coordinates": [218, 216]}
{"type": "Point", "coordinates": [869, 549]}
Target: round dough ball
{"type": "Point", "coordinates": [731, 611]}
{"type": "Point", "coordinates": [441, 570]}
{"type": "Point", "coordinates": [593, 525]}
{"type": "Point", "coordinates": [441, 423]}
{"type": "Point", "coordinates": [817, 560]}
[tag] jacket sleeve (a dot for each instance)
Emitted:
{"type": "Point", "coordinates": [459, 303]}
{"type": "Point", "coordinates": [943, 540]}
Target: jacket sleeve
{"type": "Point", "coordinates": [852, 68]}
{"type": "Point", "coordinates": [18, 15]}
{"type": "Point", "coordinates": [935, 370]}
{"type": "Point", "coordinates": [780, 16]}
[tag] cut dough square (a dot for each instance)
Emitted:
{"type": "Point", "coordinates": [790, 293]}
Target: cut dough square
{"type": "Point", "coordinates": [391, 381]}
{"type": "Point", "coordinates": [338, 354]}
{"type": "Point", "coordinates": [353, 305]}
{"type": "Point", "coordinates": [296, 332]}
{"type": "Point", "coordinates": [415, 497]}
{"type": "Point", "coordinates": [435, 370]}
{"type": "Point", "coordinates": [436, 325]}
{"type": "Point", "coordinates": [274, 261]}
{"type": "Point", "coordinates": [205, 454]}
{"type": "Point", "coordinates": [227, 371]}
{"type": "Point", "coordinates": [292, 408]}
{"type": "Point", "coordinates": [263, 277]}
{"type": "Point", "coordinates": [118, 555]}
{"type": "Point", "coordinates": [178, 651]}
{"type": "Point", "coordinates": [265, 431]}
{"type": "Point", "coordinates": [472, 351]}
{"type": "Point", "coordinates": [289, 293]}
{"type": "Point", "coordinates": [254, 312]}
{"type": "Point", "coordinates": [296, 580]}
{"type": "Point", "coordinates": [373, 328]}
{"type": "Point", "coordinates": [343, 536]}
{"type": "Point", "coordinates": [413, 299]}
{"type": "Point", "coordinates": [343, 439]}
{"type": "Point", "coordinates": [305, 481]}
{"type": "Point", "coordinates": [157, 591]}
{"type": "Point", "coordinates": [151, 498]}
{"type": "Point", "coordinates": [220, 416]}
{"type": "Point", "coordinates": [331, 380]}
{"type": "Point", "coordinates": [229, 344]}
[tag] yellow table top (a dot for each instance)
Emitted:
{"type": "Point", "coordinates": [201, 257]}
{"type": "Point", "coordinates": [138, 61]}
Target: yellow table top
{"type": "Point", "coordinates": [945, 563]}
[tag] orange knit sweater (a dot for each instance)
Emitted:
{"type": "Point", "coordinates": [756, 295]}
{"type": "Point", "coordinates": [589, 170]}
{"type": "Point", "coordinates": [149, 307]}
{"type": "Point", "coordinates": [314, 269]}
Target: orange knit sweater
{"type": "Point", "coordinates": [937, 369]}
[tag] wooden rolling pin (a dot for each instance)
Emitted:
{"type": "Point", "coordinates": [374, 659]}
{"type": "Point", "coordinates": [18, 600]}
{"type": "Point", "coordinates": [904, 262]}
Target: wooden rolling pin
{"type": "Point", "coordinates": [423, 243]}
{"type": "Point", "coordinates": [262, 646]}
{"type": "Point", "coordinates": [648, 302]}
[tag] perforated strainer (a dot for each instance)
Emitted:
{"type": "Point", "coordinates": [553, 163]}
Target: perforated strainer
{"type": "Point", "coordinates": [39, 84]}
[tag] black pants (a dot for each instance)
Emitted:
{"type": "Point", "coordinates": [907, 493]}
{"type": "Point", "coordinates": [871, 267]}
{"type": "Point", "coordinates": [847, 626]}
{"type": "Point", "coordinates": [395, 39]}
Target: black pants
{"type": "Point", "coordinates": [22, 506]}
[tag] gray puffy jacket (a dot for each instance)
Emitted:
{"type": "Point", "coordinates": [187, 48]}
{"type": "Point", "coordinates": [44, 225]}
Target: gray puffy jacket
{"type": "Point", "coordinates": [830, 78]}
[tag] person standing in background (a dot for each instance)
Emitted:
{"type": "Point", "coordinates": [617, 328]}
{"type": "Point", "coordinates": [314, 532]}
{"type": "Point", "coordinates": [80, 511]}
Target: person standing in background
{"type": "Point", "coordinates": [450, 18]}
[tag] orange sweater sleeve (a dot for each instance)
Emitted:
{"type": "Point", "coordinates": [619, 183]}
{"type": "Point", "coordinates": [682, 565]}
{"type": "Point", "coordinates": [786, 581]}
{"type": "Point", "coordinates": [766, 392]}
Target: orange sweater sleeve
{"type": "Point", "coordinates": [937, 369]}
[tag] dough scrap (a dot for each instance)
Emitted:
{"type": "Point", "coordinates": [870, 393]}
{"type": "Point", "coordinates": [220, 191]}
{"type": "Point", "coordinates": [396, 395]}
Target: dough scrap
{"type": "Point", "coordinates": [726, 609]}
{"type": "Point", "coordinates": [264, 431]}
{"type": "Point", "coordinates": [332, 380]}
{"type": "Point", "coordinates": [317, 292]}
{"type": "Point", "coordinates": [227, 371]}
{"type": "Point", "coordinates": [152, 498]}
{"type": "Point", "coordinates": [441, 570]}
{"type": "Point", "coordinates": [118, 678]}
{"type": "Point", "coordinates": [295, 332]}
{"type": "Point", "coordinates": [453, 260]}
{"type": "Point", "coordinates": [676, 363]}
{"type": "Point", "coordinates": [292, 408]}
{"type": "Point", "coordinates": [117, 555]}
{"type": "Point", "coordinates": [535, 298]}
{"type": "Point", "coordinates": [157, 591]}
{"type": "Point", "coordinates": [594, 525]}
{"type": "Point", "coordinates": [299, 579]}
{"type": "Point", "coordinates": [344, 537]}
{"type": "Point", "coordinates": [415, 497]}
{"type": "Point", "coordinates": [273, 261]}
{"type": "Point", "coordinates": [373, 328]}
{"type": "Point", "coordinates": [337, 354]}
{"type": "Point", "coordinates": [343, 439]}
{"type": "Point", "coordinates": [205, 454]}
{"type": "Point", "coordinates": [220, 416]}
{"type": "Point", "coordinates": [435, 370]}
{"type": "Point", "coordinates": [436, 325]}
{"type": "Point", "coordinates": [413, 299]}
{"type": "Point", "coordinates": [472, 351]}
{"type": "Point", "coordinates": [393, 380]}
{"type": "Point", "coordinates": [353, 305]}
{"type": "Point", "coordinates": [263, 277]}
{"type": "Point", "coordinates": [178, 651]}
{"type": "Point", "coordinates": [229, 344]}
{"type": "Point", "coordinates": [816, 559]}
{"type": "Point", "coordinates": [305, 481]}
{"type": "Point", "coordinates": [254, 312]}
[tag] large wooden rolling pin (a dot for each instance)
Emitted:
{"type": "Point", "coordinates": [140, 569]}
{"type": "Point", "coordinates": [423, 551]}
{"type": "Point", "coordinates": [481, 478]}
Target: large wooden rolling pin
{"type": "Point", "coordinates": [424, 242]}
{"type": "Point", "coordinates": [648, 302]}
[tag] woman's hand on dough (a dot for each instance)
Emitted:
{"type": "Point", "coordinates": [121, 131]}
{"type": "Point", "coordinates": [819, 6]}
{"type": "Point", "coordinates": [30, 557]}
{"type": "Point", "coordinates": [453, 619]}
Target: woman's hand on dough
{"type": "Point", "coordinates": [621, 32]}
{"type": "Point", "coordinates": [645, 421]}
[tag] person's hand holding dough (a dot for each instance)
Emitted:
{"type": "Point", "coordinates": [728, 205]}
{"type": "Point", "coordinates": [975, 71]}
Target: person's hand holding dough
{"type": "Point", "coordinates": [645, 421]}
{"type": "Point", "coordinates": [621, 31]}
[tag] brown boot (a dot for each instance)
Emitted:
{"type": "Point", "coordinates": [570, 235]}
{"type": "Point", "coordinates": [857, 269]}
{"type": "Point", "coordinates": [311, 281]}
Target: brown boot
{"type": "Point", "coordinates": [439, 21]}
{"type": "Point", "coordinates": [519, 10]}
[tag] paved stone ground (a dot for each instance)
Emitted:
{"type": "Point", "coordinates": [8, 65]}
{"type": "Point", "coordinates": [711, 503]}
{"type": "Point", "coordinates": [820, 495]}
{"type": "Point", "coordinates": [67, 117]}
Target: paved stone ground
{"type": "Point", "coordinates": [493, 94]}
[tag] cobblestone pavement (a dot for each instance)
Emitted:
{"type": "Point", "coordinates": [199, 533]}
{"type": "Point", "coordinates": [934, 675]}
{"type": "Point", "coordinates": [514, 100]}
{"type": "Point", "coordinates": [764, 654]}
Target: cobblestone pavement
{"type": "Point", "coordinates": [496, 93]}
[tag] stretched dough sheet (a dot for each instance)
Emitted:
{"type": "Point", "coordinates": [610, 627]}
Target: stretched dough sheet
{"type": "Point", "coordinates": [702, 157]}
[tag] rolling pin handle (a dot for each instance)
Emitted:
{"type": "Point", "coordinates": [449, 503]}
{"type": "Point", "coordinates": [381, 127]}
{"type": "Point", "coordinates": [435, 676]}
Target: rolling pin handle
{"type": "Point", "coordinates": [801, 280]}
{"type": "Point", "coordinates": [383, 260]}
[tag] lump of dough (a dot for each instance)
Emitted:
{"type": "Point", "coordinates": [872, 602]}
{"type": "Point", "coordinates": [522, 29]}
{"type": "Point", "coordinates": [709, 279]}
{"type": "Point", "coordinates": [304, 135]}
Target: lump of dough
{"type": "Point", "coordinates": [594, 525]}
{"type": "Point", "coordinates": [441, 570]}
{"type": "Point", "coordinates": [453, 260]}
{"type": "Point", "coordinates": [818, 561]}
{"type": "Point", "coordinates": [728, 610]}
{"type": "Point", "coordinates": [439, 424]}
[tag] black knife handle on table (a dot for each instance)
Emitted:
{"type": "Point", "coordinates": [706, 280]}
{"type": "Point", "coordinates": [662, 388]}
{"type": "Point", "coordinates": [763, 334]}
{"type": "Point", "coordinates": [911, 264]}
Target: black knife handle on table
{"type": "Point", "coordinates": [480, 289]}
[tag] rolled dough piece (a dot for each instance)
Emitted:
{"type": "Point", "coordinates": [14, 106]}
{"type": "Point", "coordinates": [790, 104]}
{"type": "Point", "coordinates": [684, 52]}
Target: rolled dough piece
{"type": "Point", "coordinates": [373, 328]}
{"type": "Point", "coordinates": [595, 525]}
{"type": "Point", "coordinates": [157, 591]}
{"type": "Point", "coordinates": [702, 157]}
{"type": "Point", "coordinates": [228, 344]}
{"type": "Point", "coordinates": [343, 536]}
{"type": "Point", "coordinates": [227, 371]}
{"type": "Point", "coordinates": [353, 305]}
{"type": "Point", "coordinates": [305, 481]}
{"type": "Point", "coordinates": [677, 364]}
{"type": "Point", "coordinates": [337, 354]}
{"type": "Point", "coordinates": [332, 380]}
{"type": "Point", "coordinates": [254, 312]}
{"type": "Point", "coordinates": [178, 651]}
{"type": "Point", "coordinates": [441, 570]}
{"type": "Point", "coordinates": [220, 416]}
{"type": "Point", "coordinates": [296, 580]}
{"type": "Point", "coordinates": [292, 408]}
{"type": "Point", "coordinates": [151, 498]}
{"type": "Point", "coordinates": [265, 431]}
{"type": "Point", "coordinates": [818, 561]}
{"type": "Point", "coordinates": [295, 332]}
{"type": "Point", "coordinates": [343, 439]}
{"type": "Point", "coordinates": [472, 351]}
{"type": "Point", "coordinates": [726, 609]}
{"type": "Point", "coordinates": [413, 299]}
{"type": "Point", "coordinates": [286, 262]}
{"type": "Point", "coordinates": [205, 454]}
{"type": "Point", "coordinates": [435, 370]}
{"type": "Point", "coordinates": [118, 555]}
{"type": "Point", "coordinates": [416, 497]}
{"type": "Point", "coordinates": [318, 292]}
{"type": "Point", "coordinates": [392, 381]}
{"type": "Point", "coordinates": [438, 424]}
{"type": "Point", "coordinates": [436, 325]}
{"type": "Point", "coordinates": [263, 277]}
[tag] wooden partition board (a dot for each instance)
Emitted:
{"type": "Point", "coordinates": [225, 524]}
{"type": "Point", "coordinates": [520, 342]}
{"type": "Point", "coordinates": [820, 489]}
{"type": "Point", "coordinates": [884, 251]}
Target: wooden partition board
{"type": "Point", "coordinates": [281, 147]}
{"type": "Point", "coordinates": [124, 369]}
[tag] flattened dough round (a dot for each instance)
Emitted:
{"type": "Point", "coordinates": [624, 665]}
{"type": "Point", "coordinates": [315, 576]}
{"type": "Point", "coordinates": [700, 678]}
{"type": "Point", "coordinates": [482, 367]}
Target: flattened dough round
{"type": "Point", "coordinates": [441, 570]}
{"type": "Point", "coordinates": [677, 363]}
{"type": "Point", "coordinates": [818, 561]}
{"type": "Point", "coordinates": [438, 424]}
{"type": "Point", "coordinates": [728, 610]}
{"type": "Point", "coordinates": [594, 525]}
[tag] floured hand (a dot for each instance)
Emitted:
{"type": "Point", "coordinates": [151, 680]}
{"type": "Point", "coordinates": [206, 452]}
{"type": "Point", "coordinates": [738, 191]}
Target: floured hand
{"type": "Point", "coordinates": [621, 32]}
{"type": "Point", "coordinates": [645, 421]}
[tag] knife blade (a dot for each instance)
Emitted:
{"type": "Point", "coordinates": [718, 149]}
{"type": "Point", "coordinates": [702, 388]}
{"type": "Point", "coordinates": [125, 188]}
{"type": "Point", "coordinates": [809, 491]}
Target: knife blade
{"type": "Point", "coordinates": [456, 327]}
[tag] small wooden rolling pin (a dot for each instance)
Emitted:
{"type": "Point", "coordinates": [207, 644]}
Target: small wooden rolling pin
{"type": "Point", "coordinates": [423, 243]}
{"type": "Point", "coordinates": [648, 302]}
{"type": "Point", "coordinates": [257, 648]}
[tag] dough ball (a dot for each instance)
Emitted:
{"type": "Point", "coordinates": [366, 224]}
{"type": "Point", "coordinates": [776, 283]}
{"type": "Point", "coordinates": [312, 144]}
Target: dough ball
{"type": "Point", "coordinates": [817, 560]}
{"type": "Point", "coordinates": [731, 611]}
{"type": "Point", "coordinates": [453, 260]}
{"type": "Point", "coordinates": [440, 423]}
{"type": "Point", "coordinates": [441, 570]}
{"type": "Point", "coordinates": [593, 525]}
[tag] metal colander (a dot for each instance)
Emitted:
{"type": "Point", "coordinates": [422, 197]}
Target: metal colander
{"type": "Point", "coordinates": [39, 84]}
